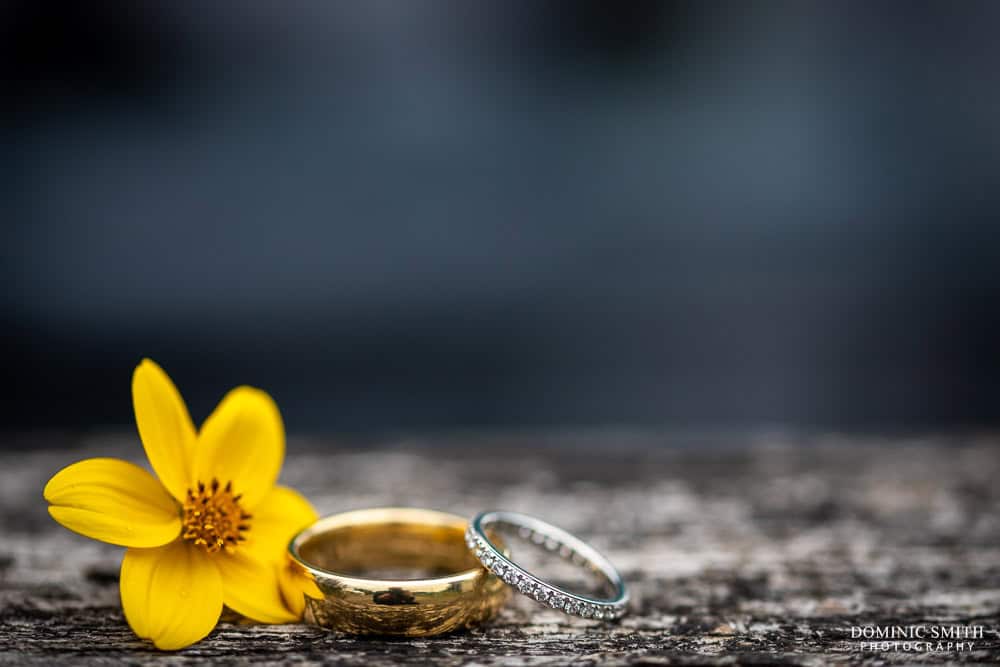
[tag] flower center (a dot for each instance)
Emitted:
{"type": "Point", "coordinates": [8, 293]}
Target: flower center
{"type": "Point", "coordinates": [213, 518]}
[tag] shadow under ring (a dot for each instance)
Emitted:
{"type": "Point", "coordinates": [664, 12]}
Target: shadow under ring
{"type": "Point", "coordinates": [356, 571]}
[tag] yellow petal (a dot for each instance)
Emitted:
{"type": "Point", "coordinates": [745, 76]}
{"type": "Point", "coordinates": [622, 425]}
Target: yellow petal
{"type": "Point", "coordinates": [113, 501]}
{"type": "Point", "coordinates": [172, 594]}
{"type": "Point", "coordinates": [165, 426]}
{"type": "Point", "coordinates": [250, 587]}
{"type": "Point", "coordinates": [277, 518]}
{"type": "Point", "coordinates": [296, 585]}
{"type": "Point", "coordinates": [242, 441]}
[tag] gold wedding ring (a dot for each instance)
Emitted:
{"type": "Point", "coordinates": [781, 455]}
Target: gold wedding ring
{"type": "Point", "coordinates": [392, 571]}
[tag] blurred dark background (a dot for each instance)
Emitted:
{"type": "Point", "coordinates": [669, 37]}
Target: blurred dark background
{"type": "Point", "coordinates": [447, 215]}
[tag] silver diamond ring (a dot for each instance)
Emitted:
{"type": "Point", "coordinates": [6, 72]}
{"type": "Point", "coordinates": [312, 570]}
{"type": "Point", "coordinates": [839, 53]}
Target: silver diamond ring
{"type": "Point", "coordinates": [554, 540]}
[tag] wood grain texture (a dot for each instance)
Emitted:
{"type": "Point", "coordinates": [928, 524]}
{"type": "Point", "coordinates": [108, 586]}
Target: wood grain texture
{"type": "Point", "coordinates": [763, 549]}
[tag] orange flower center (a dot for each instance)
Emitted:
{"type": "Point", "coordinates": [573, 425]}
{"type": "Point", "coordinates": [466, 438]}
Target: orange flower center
{"type": "Point", "coordinates": [213, 518]}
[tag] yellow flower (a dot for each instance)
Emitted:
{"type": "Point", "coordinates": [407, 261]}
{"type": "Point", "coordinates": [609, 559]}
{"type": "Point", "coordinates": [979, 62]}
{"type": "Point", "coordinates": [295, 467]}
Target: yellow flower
{"type": "Point", "coordinates": [213, 528]}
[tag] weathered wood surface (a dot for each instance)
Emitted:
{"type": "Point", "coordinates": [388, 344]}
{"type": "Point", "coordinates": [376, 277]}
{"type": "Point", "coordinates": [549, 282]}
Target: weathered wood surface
{"type": "Point", "coordinates": [737, 549]}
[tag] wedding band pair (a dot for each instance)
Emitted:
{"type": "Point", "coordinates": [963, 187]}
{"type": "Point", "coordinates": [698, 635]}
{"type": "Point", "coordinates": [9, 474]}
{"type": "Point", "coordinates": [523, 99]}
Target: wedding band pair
{"type": "Point", "coordinates": [351, 570]}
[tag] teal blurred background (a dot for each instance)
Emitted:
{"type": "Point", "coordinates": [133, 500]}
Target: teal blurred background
{"type": "Point", "coordinates": [447, 215]}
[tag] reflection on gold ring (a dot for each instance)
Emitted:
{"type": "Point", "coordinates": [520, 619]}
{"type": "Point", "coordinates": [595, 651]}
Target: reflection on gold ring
{"type": "Point", "coordinates": [393, 571]}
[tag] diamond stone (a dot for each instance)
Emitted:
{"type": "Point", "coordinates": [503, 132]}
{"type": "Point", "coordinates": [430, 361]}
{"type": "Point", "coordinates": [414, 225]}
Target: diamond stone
{"type": "Point", "coordinates": [557, 602]}
{"type": "Point", "coordinates": [586, 611]}
{"type": "Point", "coordinates": [572, 608]}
